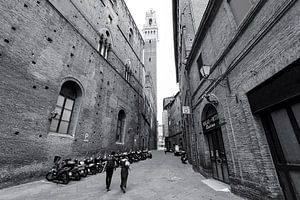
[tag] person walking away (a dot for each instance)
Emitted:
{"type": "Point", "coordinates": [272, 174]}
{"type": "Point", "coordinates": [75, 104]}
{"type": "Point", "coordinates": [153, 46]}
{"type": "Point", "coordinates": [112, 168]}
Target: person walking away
{"type": "Point", "coordinates": [110, 166]}
{"type": "Point", "coordinates": [124, 172]}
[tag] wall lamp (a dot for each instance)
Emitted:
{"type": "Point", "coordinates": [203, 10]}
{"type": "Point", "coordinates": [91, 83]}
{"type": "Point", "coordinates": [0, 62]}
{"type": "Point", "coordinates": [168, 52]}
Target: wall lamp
{"type": "Point", "coordinates": [205, 72]}
{"type": "Point", "coordinates": [209, 98]}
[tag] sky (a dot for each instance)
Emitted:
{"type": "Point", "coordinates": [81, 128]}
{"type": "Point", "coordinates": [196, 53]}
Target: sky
{"type": "Point", "coordinates": [166, 75]}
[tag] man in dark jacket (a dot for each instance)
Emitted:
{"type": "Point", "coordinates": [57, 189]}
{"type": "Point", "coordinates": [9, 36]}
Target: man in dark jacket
{"type": "Point", "coordinates": [124, 171]}
{"type": "Point", "coordinates": [110, 166]}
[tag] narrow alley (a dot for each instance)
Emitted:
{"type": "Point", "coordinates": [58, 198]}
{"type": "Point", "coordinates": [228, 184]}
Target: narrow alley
{"type": "Point", "coordinates": [163, 177]}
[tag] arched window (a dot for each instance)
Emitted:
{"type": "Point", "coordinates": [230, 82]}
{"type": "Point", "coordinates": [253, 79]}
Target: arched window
{"type": "Point", "coordinates": [105, 43]}
{"type": "Point", "coordinates": [130, 36]}
{"type": "Point", "coordinates": [120, 126]}
{"type": "Point", "coordinates": [67, 106]}
{"type": "Point", "coordinates": [128, 71]}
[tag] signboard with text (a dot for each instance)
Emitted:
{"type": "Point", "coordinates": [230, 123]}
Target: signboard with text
{"type": "Point", "coordinates": [186, 110]}
{"type": "Point", "coordinates": [211, 122]}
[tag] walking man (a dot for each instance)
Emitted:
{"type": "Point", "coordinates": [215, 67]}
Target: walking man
{"type": "Point", "coordinates": [124, 172]}
{"type": "Point", "coordinates": [110, 166]}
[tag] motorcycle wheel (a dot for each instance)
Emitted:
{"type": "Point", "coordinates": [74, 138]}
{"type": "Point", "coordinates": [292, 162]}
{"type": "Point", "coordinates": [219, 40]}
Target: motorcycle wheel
{"type": "Point", "coordinates": [65, 178]}
{"type": "Point", "coordinates": [93, 171]}
{"type": "Point", "coordinates": [89, 171]}
{"type": "Point", "coordinates": [77, 176]}
{"type": "Point", "coordinates": [100, 169]}
{"type": "Point", "coordinates": [49, 176]}
{"type": "Point", "coordinates": [85, 173]}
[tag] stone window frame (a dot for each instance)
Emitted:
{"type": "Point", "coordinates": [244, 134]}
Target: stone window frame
{"type": "Point", "coordinates": [128, 70]}
{"type": "Point", "coordinates": [105, 42]}
{"type": "Point", "coordinates": [235, 10]}
{"type": "Point", "coordinates": [130, 36]}
{"type": "Point", "coordinates": [113, 3]}
{"type": "Point", "coordinates": [150, 21]}
{"type": "Point", "coordinates": [110, 19]}
{"type": "Point", "coordinates": [76, 109]}
{"type": "Point", "coordinates": [199, 65]}
{"type": "Point", "coordinates": [120, 131]}
{"type": "Point", "coordinates": [64, 105]}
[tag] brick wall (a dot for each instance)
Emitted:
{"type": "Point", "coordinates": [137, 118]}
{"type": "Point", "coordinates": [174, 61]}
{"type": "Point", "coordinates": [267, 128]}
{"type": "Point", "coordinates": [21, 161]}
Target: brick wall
{"type": "Point", "coordinates": [251, 53]}
{"type": "Point", "coordinates": [175, 122]}
{"type": "Point", "coordinates": [43, 44]}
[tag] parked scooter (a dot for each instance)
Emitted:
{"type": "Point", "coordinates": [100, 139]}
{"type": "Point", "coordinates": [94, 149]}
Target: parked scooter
{"type": "Point", "coordinates": [58, 172]}
{"type": "Point", "coordinates": [99, 164]}
{"type": "Point", "coordinates": [184, 158]}
{"type": "Point", "coordinates": [91, 167]}
{"type": "Point", "coordinates": [73, 170]}
{"type": "Point", "coordinates": [82, 168]}
{"type": "Point", "coordinates": [149, 154]}
{"type": "Point", "coordinates": [130, 157]}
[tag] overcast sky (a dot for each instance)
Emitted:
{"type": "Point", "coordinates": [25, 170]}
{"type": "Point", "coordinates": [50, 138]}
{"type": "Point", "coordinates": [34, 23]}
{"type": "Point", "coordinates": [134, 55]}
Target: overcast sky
{"type": "Point", "coordinates": [166, 77]}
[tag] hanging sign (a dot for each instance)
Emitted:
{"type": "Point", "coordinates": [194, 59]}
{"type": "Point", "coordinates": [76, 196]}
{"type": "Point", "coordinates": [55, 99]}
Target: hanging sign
{"type": "Point", "coordinates": [211, 122]}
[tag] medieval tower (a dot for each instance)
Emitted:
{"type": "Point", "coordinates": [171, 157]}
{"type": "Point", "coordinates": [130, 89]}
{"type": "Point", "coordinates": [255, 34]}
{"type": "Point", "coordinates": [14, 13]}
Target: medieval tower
{"type": "Point", "coordinates": [150, 32]}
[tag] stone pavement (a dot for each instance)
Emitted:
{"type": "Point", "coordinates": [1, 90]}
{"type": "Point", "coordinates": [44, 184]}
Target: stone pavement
{"type": "Point", "coordinates": [163, 177]}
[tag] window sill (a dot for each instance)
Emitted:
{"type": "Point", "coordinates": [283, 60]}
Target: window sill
{"type": "Point", "coordinates": [61, 135]}
{"type": "Point", "coordinates": [119, 143]}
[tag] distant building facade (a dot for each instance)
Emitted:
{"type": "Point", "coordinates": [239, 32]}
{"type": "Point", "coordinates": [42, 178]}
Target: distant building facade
{"type": "Point", "coordinates": [165, 119]}
{"type": "Point", "coordinates": [160, 138]}
{"type": "Point", "coordinates": [72, 84]}
{"type": "Point", "coordinates": [175, 134]}
{"type": "Point", "coordinates": [245, 105]}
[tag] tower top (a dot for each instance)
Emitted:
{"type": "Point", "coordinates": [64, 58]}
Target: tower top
{"type": "Point", "coordinates": [150, 19]}
{"type": "Point", "coordinates": [150, 30]}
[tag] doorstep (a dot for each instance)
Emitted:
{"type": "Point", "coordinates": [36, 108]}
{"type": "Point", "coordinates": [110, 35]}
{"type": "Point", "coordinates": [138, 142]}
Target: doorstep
{"type": "Point", "coordinates": [217, 185]}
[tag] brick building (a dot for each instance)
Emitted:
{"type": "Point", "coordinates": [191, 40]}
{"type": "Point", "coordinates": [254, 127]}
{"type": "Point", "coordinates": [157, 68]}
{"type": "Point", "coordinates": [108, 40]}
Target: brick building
{"type": "Point", "coordinates": [238, 70]}
{"type": "Point", "coordinates": [71, 84]}
{"type": "Point", "coordinates": [165, 120]}
{"type": "Point", "coordinates": [175, 134]}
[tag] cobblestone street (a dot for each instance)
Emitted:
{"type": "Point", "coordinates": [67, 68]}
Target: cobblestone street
{"type": "Point", "coordinates": [162, 177]}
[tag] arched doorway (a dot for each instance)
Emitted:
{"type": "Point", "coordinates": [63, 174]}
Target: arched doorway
{"type": "Point", "coordinates": [213, 133]}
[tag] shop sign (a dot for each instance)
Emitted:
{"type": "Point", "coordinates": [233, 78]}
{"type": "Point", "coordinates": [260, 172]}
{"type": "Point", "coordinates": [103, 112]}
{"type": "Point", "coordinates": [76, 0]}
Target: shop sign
{"type": "Point", "coordinates": [186, 110]}
{"type": "Point", "coordinates": [211, 122]}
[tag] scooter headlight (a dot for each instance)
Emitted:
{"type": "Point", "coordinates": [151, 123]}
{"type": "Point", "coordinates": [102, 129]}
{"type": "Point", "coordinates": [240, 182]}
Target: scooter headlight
{"type": "Point", "coordinates": [70, 173]}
